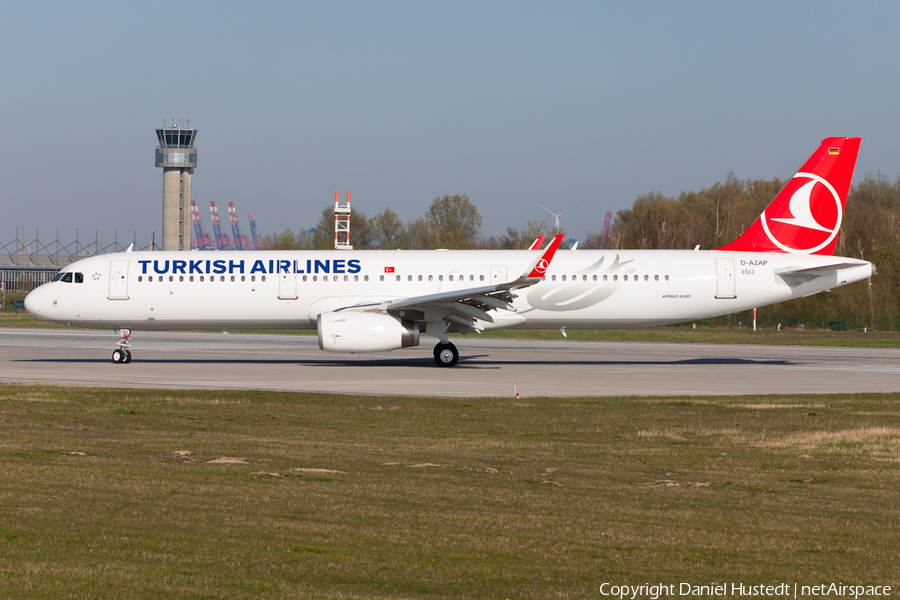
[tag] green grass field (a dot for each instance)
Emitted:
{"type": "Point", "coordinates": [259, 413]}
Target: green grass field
{"type": "Point", "coordinates": [196, 494]}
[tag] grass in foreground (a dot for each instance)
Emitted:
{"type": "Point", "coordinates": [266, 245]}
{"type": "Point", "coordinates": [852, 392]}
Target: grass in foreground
{"type": "Point", "coordinates": [112, 494]}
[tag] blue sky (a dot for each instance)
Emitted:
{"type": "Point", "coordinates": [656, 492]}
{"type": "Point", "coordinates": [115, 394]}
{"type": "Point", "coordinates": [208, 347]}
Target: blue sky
{"type": "Point", "coordinates": [575, 105]}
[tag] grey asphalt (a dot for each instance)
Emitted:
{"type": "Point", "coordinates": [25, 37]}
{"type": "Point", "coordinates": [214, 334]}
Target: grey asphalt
{"type": "Point", "coordinates": [185, 360]}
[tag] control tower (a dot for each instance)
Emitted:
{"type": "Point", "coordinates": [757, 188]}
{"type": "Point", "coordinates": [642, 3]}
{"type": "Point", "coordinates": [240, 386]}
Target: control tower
{"type": "Point", "coordinates": [178, 158]}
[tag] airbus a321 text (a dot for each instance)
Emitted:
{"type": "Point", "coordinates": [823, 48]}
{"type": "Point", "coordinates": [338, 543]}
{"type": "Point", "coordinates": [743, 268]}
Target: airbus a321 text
{"type": "Point", "coordinates": [379, 300]}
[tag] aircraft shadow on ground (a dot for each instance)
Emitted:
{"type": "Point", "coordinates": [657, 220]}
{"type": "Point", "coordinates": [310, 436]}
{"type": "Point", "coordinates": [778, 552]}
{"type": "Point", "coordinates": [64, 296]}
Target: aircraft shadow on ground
{"type": "Point", "coordinates": [465, 362]}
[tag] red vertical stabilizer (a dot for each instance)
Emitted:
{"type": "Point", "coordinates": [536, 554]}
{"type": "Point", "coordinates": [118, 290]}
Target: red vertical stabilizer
{"type": "Point", "coordinates": [805, 217]}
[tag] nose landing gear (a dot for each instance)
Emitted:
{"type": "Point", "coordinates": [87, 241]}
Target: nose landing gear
{"type": "Point", "coordinates": [122, 354]}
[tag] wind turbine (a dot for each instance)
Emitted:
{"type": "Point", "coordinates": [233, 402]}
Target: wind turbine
{"type": "Point", "coordinates": [555, 227]}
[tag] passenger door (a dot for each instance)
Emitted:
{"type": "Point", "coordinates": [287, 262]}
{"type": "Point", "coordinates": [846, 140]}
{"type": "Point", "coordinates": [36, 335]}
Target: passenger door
{"type": "Point", "coordinates": [118, 280]}
{"type": "Point", "coordinates": [725, 278]}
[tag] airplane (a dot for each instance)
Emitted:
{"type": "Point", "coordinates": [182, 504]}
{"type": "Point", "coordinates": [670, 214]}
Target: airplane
{"type": "Point", "coordinates": [379, 300]}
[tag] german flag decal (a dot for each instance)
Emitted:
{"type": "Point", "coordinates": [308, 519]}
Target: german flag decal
{"type": "Point", "coordinates": [834, 151]}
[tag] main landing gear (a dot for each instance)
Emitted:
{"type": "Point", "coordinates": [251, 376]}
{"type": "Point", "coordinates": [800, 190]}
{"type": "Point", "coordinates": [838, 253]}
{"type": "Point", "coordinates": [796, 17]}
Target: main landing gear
{"type": "Point", "coordinates": [122, 354]}
{"type": "Point", "coordinates": [446, 354]}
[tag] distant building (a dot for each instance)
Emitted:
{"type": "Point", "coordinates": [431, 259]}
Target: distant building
{"type": "Point", "coordinates": [178, 158]}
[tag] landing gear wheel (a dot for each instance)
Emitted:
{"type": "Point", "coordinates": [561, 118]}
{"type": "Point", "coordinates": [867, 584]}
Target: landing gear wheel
{"type": "Point", "coordinates": [122, 355]}
{"type": "Point", "coordinates": [446, 355]}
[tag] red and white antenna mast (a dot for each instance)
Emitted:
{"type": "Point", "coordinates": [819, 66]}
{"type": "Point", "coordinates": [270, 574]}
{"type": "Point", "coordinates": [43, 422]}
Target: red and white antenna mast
{"type": "Point", "coordinates": [342, 223]}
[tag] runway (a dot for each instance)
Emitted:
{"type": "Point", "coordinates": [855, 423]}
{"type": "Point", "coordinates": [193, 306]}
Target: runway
{"type": "Point", "coordinates": [493, 368]}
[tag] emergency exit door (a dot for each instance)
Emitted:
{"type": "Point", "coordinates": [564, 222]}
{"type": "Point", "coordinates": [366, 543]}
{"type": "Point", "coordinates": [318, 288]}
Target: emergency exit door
{"type": "Point", "coordinates": [287, 286]}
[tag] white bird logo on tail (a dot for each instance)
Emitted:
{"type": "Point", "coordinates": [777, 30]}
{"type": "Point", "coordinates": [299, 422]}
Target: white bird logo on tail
{"type": "Point", "coordinates": [801, 210]}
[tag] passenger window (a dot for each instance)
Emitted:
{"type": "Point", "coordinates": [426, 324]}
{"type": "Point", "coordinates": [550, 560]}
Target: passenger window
{"type": "Point", "coordinates": [440, 277]}
{"type": "Point", "coordinates": [262, 278]}
{"type": "Point", "coordinates": [482, 277]}
{"type": "Point", "coordinates": [201, 278]}
{"type": "Point", "coordinates": [471, 278]}
{"type": "Point", "coordinates": [315, 277]}
{"type": "Point", "coordinates": [595, 278]}
{"type": "Point", "coordinates": [381, 278]}
{"type": "Point", "coordinates": [563, 277]}
{"type": "Point", "coordinates": [450, 278]}
{"type": "Point", "coordinates": [346, 278]}
{"type": "Point", "coordinates": [420, 278]}
{"type": "Point", "coordinates": [149, 277]}
{"type": "Point", "coordinates": [171, 278]}
{"type": "Point", "coordinates": [253, 278]}
{"type": "Point", "coordinates": [615, 277]}
{"type": "Point", "coordinates": [409, 277]}
{"type": "Point", "coordinates": [356, 278]}
{"type": "Point", "coordinates": [191, 278]}
{"type": "Point", "coordinates": [646, 278]}
{"type": "Point", "coordinates": [430, 277]}
{"type": "Point", "coordinates": [181, 278]}
{"type": "Point", "coordinates": [304, 278]}
{"type": "Point", "coordinates": [667, 277]}
{"type": "Point", "coordinates": [624, 277]}
{"type": "Point", "coordinates": [584, 277]}
{"type": "Point", "coordinates": [553, 278]}
{"type": "Point", "coordinates": [140, 278]}
{"type": "Point", "coordinates": [232, 277]}
{"type": "Point", "coordinates": [365, 278]}
{"type": "Point", "coordinates": [222, 278]}
{"type": "Point", "coordinates": [398, 278]}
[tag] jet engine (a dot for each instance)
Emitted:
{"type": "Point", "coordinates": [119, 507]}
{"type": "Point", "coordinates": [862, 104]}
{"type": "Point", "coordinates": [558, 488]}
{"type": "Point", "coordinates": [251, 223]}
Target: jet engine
{"type": "Point", "coordinates": [355, 331]}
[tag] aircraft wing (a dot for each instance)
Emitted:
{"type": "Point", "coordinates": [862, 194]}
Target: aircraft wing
{"type": "Point", "coordinates": [463, 307]}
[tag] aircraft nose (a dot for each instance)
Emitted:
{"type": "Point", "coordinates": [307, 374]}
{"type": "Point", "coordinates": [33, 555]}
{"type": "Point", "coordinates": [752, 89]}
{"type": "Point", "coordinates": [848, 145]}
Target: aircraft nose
{"type": "Point", "coordinates": [36, 302]}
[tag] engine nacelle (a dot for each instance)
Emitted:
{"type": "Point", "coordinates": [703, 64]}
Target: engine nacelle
{"type": "Point", "coordinates": [355, 331]}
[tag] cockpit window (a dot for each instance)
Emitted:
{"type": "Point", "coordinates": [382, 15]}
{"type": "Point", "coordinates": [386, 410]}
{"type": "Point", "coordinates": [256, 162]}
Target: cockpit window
{"type": "Point", "coordinates": [79, 277]}
{"type": "Point", "coordinates": [67, 277]}
{"type": "Point", "coordinates": [58, 276]}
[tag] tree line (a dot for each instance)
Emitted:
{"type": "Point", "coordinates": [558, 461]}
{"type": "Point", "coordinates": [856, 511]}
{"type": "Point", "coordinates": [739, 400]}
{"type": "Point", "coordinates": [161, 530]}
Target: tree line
{"type": "Point", "coordinates": [451, 222]}
{"type": "Point", "coordinates": [709, 218]}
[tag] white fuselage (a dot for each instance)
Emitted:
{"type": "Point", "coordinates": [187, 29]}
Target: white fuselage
{"type": "Point", "coordinates": [288, 289]}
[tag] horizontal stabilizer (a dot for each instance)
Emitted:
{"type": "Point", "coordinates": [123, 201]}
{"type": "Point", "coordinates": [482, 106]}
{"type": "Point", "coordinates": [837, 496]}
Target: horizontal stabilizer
{"type": "Point", "coordinates": [812, 272]}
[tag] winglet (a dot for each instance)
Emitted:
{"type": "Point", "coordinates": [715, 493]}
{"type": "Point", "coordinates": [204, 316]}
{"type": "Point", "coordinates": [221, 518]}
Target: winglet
{"type": "Point", "coordinates": [537, 243]}
{"type": "Point", "coordinates": [540, 266]}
